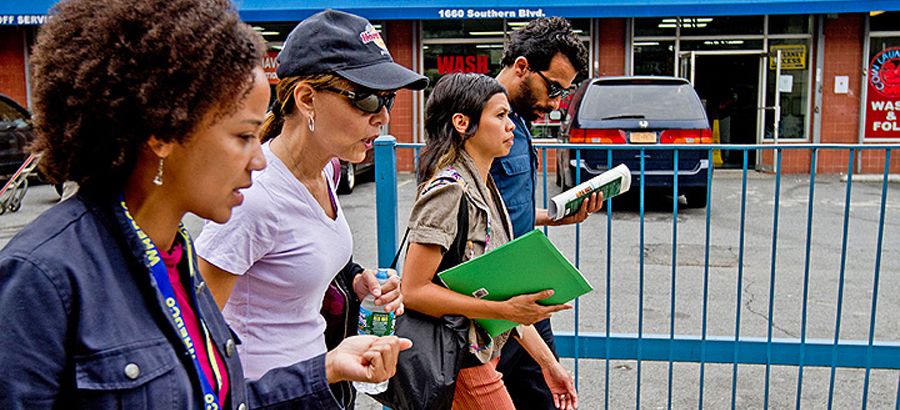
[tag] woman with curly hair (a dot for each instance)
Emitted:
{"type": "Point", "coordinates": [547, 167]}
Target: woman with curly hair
{"type": "Point", "coordinates": [289, 245]}
{"type": "Point", "coordinates": [154, 108]}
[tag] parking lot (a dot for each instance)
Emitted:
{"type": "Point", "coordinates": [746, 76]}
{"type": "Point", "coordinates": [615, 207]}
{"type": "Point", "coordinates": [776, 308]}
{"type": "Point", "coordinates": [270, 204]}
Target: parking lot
{"type": "Point", "coordinates": [825, 266]}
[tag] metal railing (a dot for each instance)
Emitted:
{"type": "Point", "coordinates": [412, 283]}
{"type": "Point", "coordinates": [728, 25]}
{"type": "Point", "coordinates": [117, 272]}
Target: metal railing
{"type": "Point", "coordinates": [829, 354]}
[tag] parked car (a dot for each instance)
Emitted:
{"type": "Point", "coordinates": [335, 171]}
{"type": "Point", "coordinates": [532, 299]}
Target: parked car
{"type": "Point", "coordinates": [351, 172]}
{"type": "Point", "coordinates": [638, 111]}
{"type": "Point", "coordinates": [15, 136]}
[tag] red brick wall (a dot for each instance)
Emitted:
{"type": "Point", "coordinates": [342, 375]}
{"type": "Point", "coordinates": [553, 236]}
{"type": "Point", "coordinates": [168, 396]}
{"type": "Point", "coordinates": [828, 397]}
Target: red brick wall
{"type": "Point", "coordinates": [840, 112]}
{"type": "Point", "coordinates": [12, 63]}
{"type": "Point", "coordinates": [793, 161]}
{"type": "Point", "coordinates": [873, 161]}
{"type": "Point", "coordinates": [612, 48]}
{"type": "Point", "coordinates": [399, 42]}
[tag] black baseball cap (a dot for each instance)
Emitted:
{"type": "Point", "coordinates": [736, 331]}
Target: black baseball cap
{"type": "Point", "coordinates": [336, 42]}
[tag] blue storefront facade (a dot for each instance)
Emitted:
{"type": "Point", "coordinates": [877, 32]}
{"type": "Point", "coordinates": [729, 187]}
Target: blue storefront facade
{"type": "Point", "coordinates": [823, 91]}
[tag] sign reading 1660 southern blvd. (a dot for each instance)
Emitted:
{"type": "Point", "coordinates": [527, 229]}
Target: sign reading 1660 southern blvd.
{"type": "Point", "coordinates": [883, 103]}
{"type": "Point", "coordinates": [490, 13]}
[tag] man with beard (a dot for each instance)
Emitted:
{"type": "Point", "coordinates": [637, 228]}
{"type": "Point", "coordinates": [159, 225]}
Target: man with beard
{"type": "Point", "coordinates": [539, 65]}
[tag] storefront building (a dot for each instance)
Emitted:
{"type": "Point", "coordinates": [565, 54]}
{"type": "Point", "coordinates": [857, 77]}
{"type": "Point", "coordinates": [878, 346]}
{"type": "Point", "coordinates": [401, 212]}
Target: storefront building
{"type": "Point", "coordinates": [769, 71]}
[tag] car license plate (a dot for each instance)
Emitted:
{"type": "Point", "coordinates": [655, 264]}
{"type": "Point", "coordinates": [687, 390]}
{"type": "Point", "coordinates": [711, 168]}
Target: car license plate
{"type": "Point", "coordinates": [643, 138]}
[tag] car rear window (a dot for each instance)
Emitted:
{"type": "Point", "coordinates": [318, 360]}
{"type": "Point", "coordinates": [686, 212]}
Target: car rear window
{"type": "Point", "coordinates": [641, 101]}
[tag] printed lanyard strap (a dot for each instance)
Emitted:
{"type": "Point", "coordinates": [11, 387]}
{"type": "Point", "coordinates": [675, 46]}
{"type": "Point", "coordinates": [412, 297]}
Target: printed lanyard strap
{"type": "Point", "coordinates": [158, 269]}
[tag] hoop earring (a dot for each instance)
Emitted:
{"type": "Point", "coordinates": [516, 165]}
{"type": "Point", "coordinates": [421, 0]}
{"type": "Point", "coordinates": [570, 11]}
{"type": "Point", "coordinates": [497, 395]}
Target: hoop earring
{"type": "Point", "coordinates": [158, 181]}
{"type": "Point", "coordinates": [311, 123]}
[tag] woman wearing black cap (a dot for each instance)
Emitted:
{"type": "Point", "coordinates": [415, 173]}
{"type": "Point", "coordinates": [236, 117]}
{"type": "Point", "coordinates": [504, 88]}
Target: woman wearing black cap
{"type": "Point", "coordinates": [153, 107]}
{"type": "Point", "coordinates": [273, 263]}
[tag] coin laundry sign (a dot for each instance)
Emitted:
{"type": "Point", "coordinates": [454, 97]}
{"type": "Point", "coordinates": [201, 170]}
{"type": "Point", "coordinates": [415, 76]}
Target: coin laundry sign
{"type": "Point", "coordinates": [883, 94]}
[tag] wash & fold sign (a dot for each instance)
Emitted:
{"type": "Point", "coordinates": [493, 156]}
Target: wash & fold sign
{"type": "Point", "coordinates": [883, 95]}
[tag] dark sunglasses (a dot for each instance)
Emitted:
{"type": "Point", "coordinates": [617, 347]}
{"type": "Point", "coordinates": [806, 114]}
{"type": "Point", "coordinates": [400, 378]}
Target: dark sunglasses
{"type": "Point", "coordinates": [367, 102]}
{"type": "Point", "coordinates": [553, 88]}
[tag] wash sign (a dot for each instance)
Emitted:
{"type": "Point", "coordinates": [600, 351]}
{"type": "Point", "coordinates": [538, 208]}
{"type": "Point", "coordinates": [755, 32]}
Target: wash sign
{"type": "Point", "coordinates": [883, 102]}
{"type": "Point", "coordinates": [463, 64]}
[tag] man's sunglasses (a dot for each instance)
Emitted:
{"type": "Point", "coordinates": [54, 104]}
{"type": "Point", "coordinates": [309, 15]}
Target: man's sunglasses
{"type": "Point", "coordinates": [553, 88]}
{"type": "Point", "coordinates": [366, 102]}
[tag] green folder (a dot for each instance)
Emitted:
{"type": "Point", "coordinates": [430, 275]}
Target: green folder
{"type": "Point", "coordinates": [528, 264]}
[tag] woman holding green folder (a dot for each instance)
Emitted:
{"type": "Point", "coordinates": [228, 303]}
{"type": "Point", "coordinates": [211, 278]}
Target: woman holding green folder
{"type": "Point", "coordinates": [467, 125]}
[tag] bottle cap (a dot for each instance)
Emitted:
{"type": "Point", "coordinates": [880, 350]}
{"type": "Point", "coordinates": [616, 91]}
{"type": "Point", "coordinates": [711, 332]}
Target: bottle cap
{"type": "Point", "coordinates": [382, 274]}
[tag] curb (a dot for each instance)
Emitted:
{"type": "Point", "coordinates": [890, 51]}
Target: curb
{"type": "Point", "coordinates": [892, 178]}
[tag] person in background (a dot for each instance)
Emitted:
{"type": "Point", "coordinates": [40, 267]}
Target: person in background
{"type": "Point", "coordinates": [540, 62]}
{"type": "Point", "coordinates": [154, 108]}
{"type": "Point", "coordinates": [467, 126]}
{"type": "Point", "coordinates": [272, 264]}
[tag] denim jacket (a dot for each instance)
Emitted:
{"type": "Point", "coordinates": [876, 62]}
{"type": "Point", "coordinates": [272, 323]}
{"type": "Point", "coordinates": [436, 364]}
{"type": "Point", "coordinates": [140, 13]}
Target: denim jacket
{"type": "Point", "coordinates": [515, 177]}
{"type": "Point", "coordinates": [84, 326]}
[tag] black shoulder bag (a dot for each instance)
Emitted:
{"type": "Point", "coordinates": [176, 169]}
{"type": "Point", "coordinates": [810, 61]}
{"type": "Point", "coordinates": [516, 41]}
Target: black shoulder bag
{"type": "Point", "coordinates": [426, 373]}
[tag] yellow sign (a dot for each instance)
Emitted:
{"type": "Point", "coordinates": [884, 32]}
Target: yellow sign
{"type": "Point", "coordinates": [793, 56]}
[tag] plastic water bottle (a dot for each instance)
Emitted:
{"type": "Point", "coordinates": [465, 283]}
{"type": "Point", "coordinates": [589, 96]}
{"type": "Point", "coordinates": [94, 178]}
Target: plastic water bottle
{"type": "Point", "coordinates": [373, 320]}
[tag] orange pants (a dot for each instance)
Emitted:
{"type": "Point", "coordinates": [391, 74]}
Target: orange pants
{"type": "Point", "coordinates": [481, 387]}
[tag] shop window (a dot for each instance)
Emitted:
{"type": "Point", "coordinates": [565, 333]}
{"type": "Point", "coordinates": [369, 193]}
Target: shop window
{"type": "Point", "coordinates": [721, 44]}
{"type": "Point", "coordinates": [462, 28]}
{"type": "Point", "coordinates": [655, 27]}
{"type": "Point", "coordinates": [879, 44]}
{"type": "Point", "coordinates": [654, 58]}
{"type": "Point", "coordinates": [792, 24]}
{"type": "Point", "coordinates": [721, 25]}
{"type": "Point", "coordinates": [698, 26]}
{"type": "Point", "coordinates": [885, 21]}
{"type": "Point", "coordinates": [440, 59]}
{"type": "Point", "coordinates": [794, 88]}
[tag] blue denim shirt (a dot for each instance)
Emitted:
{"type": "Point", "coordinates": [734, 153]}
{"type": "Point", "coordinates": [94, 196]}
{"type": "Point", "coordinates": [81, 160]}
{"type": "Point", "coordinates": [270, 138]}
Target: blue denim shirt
{"type": "Point", "coordinates": [516, 178]}
{"type": "Point", "coordinates": [79, 307]}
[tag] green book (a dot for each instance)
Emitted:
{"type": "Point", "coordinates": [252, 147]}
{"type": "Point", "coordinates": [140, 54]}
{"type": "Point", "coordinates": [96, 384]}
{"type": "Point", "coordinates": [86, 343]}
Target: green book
{"type": "Point", "coordinates": [527, 264]}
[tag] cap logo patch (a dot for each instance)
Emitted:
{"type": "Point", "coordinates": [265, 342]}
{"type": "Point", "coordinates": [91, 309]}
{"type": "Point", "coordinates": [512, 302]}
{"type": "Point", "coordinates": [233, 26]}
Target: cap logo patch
{"type": "Point", "coordinates": [373, 36]}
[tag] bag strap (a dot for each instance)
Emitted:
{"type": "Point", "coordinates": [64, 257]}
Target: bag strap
{"type": "Point", "coordinates": [336, 171]}
{"type": "Point", "coordinates": [454, 255]}
{"type": "Point", "coordinates": [400, 249]}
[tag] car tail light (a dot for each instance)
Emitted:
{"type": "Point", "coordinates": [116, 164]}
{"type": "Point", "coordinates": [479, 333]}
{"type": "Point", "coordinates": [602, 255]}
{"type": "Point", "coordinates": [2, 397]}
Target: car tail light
{"type": "Point", "coordinates": [703, 136]}
{"type": "Point", "coordinates": [592, 136]}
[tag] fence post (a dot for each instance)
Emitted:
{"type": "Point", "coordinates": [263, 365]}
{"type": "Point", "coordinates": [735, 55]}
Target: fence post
{"type": "Point", "coordinates": [386, 198]}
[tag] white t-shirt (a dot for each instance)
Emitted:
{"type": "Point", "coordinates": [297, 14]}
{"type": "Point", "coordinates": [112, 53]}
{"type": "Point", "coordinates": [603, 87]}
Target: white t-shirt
{"type": "Point", "coordinates": [286, 250]}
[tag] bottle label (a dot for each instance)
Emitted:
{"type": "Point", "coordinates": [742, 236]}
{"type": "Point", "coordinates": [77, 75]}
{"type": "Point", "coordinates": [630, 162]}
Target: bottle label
{"type": "Point", "coordinates": [375, 323]}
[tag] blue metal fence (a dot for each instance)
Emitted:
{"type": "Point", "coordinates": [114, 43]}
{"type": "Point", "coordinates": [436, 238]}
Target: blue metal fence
{"type": "Point", "coordinates": [737, 350]}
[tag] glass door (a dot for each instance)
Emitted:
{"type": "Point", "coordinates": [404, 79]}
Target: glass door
{"type": "Point", "coordinates": [686, 62]}
{"type": "Point", "coordinates": [728, 83]}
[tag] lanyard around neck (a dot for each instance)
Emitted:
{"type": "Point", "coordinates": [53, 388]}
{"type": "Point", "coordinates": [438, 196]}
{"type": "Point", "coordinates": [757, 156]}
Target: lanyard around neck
{"type": "Point", "coordinates": [160, 273]}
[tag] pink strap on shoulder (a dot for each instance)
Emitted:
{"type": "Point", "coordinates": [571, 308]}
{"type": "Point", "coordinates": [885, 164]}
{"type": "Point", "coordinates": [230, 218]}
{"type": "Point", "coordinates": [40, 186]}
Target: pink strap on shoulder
{"type": "Point", "coordinates": [336, 171]}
